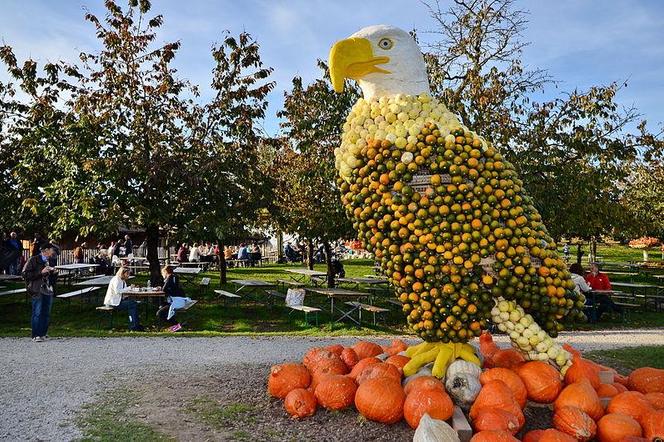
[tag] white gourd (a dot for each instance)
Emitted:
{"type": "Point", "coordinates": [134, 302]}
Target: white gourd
{"type": "Point", "coordinates": [434, 430]}
{"type": "Point", "coordinates": [462, 382]}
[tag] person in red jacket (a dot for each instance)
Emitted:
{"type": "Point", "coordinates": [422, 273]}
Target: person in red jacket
{"type": "Point", "coordinates": [596, 279]}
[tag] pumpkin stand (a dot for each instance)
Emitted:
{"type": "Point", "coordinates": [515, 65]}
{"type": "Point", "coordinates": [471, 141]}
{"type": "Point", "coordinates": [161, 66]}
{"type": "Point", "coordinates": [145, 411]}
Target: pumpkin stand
{"type": "Point", "coordinates": [503, 400]}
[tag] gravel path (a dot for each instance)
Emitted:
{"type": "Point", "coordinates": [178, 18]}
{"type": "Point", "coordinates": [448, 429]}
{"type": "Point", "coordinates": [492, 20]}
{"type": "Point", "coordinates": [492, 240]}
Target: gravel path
{"type": "Point", "coordinates": [44, 385]}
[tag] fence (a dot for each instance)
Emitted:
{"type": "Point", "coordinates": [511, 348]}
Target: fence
{"type": "Point", "coordinates": [66, 256]}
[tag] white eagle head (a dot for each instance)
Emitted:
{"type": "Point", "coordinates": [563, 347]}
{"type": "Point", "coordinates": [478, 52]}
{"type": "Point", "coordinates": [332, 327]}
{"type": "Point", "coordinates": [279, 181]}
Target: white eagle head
{"type": "Point", "coordinates": [385, 60]}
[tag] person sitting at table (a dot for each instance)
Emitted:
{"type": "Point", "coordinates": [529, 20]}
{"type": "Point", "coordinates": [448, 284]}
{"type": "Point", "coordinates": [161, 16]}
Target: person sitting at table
{"type": "Point", "coordinates": [182, 253]}
{"type": "Point", "coordinates": [175, 298]}
{"type": "Point", "coordinates": [115, 299]}
{"type": "Point", "coordinates": [243, 253]}
{"type": "Point", "coordinates": [581, 287]}
{"type": "Point", "coordinates": [255, 255]}
{"type": "Point", "coordinates": [599, 281]}
{"type": "Point", "coordinates": [194, 253]}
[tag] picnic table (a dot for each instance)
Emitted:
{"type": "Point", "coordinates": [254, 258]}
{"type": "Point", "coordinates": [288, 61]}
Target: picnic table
{"type": "Point", "coordinates": [100, 280]}
{"type": "Point", "coordinates": [187, 273]}
{"type": "Point", "coordinates": [146, 293]}
{"type": "Point", "coordinates": [302, 274]}
{"type": "Point", "coordinates": [363, 281]}
{"type": "Point", "coordinates": [252, 286]}
{"type": "Point", "coordinates": [10, 278]}
{"type": "Point", "coordinates": [633, 286]}
{"type": "Point", "coordinates": [341, 294]}
{"type": "Point", "coordinates": [75, 266]}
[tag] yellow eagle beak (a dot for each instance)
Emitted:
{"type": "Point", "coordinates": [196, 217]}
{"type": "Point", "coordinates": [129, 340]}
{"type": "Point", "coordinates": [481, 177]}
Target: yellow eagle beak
{"type": "Point", "coordinates": [353, 58]}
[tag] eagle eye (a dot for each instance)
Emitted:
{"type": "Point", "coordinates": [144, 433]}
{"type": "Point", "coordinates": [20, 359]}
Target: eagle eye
{"type": "Point", "coordinates": [385, 43]}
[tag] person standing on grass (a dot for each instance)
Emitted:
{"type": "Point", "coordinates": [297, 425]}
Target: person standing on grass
{"type": "Point", "coordinates": [115, 299]}
{"type": "Point", "coordinates": [37, 273]}
{"type": "Point", "coordinates": [14, 245]}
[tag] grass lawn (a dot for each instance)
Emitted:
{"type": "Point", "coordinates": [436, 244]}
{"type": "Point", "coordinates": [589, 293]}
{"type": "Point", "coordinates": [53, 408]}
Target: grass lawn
{"type": "Point", "coordinates": [629, 358]}
{"type": "Point", "coordinates": [212, 317]}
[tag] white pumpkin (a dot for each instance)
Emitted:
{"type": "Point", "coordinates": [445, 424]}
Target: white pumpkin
{"type": "Point", "coordinates": [462, 382]}
{"type": "Point", "coordinates": [434, 430]}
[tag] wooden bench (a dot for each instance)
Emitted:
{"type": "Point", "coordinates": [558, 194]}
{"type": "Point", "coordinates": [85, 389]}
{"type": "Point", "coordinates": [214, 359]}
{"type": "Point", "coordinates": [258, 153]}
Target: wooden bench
{"type": "Point", "coordinates": [395, 302]}
{"type": "Point", "coordinates": [105, 309]}
{"type": "Point", "coordinates": [223, 294]}
{"type": "Point", "coordinates": [367, 308]}
{"type": "Point", "coordinates": [627, 307]}
{"type": "Point", "coordinates": [306, 310]}
{"type": "Point", "coordinates": [75, 293]}
{"type": "Point", "coordinates": [13, 292]}
{"type": "Point", "coordinates": [204, 285]}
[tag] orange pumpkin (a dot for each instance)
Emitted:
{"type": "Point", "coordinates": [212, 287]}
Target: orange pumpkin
{"type": "Point", "coordinates": [622, 380]}
{"type": "Point", "coordinates": [398, 361]}
{"type": "Point", "coordinates": [542, 381]}
{"type": "Point", "coordinates": [497, 419]}
{"type": "Point", "coordinates": [607, 390]}
{"type": "Point", "coordinates": [581, 395]}
{"type": "Point", "coordinates": [620, 387]}
{"type": "Point", "coordinates": [380, 400]}
{"type": "Point", "coordinates": [335, 392]}
{"type": "Point", "coordinates": [300, 403]}
{"type": "Point", "coordinates": [635, 439]}
{"type": "Point", "coordinates": [361, 365]}
{"type": "Point", "coordinates": [366, 349]}
{"type": "Point", "coordinates": [487, 348]}
{"type": "Point", "coordinates": [511, 379]}
{"type": "Point", "coordinates": [581, 369]}
{"type": "Point", "coordinates": [508, 358]}
{"type": "Point", "coordinates": [315, 355]}
{"type": "Point", "coordinates": [349, 357]}
{"type": "Point", "coordinates": [614, 427]}
{"type": "Point", "coordinates": [435, 402]}
{"type": "Point", "coordinates": [287, 377]}
{"type": "Point", "coordinates": [396, 346]}
{"type": "Point", "coordinates": [424, 383]}
{"type": "Point", "coordinates": [379, 370]}
{"type": "Point", "coordinates": [496, 395]}
{"type": "Point", "coordinates": [532, 436]}
{"type": "Point", "coordinates": [653, 425]}
{"type": "Point", "coordinates": [552, 435]}
{"type": "Point", "coordinates": [647, 380]}
{"type": "Point", "coordinates": [331, 366]}
{"type": "Point", "coordinates": [630, 403]}
{"type": "Point", "coordinates": [493, 436]}
{"type": "Point", "coordinates": [575, 422]}
{"type": "Point", "coordinates": [336, 349]}
{"type": "Point", "coordinates": [656, 400]}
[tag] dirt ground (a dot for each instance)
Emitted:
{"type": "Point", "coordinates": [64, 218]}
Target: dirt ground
{"type": "Point", "coordinates": [233, 406]}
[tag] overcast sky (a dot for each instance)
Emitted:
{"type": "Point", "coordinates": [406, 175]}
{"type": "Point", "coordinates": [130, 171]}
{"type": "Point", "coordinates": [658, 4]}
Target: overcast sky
{"type": "Point", "coordinates": [580, 43]}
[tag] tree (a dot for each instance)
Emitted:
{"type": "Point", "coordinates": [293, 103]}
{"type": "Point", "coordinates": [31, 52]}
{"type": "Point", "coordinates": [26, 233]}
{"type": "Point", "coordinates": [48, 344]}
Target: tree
{"type": "Point", "coordinates": [643, 201]}
{"type": "Point", "coordinates": [571, 152]}
{"type": "Point", "coordinates": [307, 197]}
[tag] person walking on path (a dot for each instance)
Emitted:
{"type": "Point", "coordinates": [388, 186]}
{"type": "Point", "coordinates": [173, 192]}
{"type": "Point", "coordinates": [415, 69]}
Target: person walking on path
{"type": "Point", "coordinates": [37, 273]}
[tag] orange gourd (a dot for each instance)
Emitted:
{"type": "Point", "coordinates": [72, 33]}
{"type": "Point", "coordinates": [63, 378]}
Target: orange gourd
{"type": "Point", "coordinates": [614, 427]}
{"type": "Point", "coordinates": [379, 370]}
{"type": "Point", "coordinates": [366, 349]}
{"type": "Point", "coordinates": [574, 422]}
{"type": "Point", "coordinates": [337, 349]}
{"type": "Point", "coordinates": [424, 383]}
{"type": "Point", "coordinates": [581, 395]}
{"type": "Point", "coordinates": [647, 380]}
{"type": "Point", "coordinates": [436, 403]}
{"type": "Point", "coordinates": [331, 366]}
{"type": "Point", "coordinates": [361, 365]}
{"type": "Point", "coordinates": [349, 357]}
{"type": "Point", "coordinates": [493, 436]}
{"type": "Point", "coordinates": [656, 400]}
{"type": "Point", "coordinates": [398, 361]}
{"type": "Point", "coordinates": [508, 358]}
{"type": "Point", "coordinates": [552, 435]}
{"type": "Point", "coordinates": [532, 436]}
{"type": "Point", "coordinates": [622, 380]}
{"type": "Point", "coordinates": [335, 392]}
{"type": "Point", "coordinates": [542, 381]}
{"type": "Point", "coordinates": [511, 379]}
{"type": "Point", "coordinates": [582, 369]}
{"type": "Point", "coordinates": [630, 403]}
{"type": "Point", "coordinates": [496, 395]}
{"type": "Point", "coordinates": [287, 377]}
{"type": "Point", "coordinates": [380, 400]}
{"type": "Point", "coordinates": [620, 387]}
{"type": "Point", "coordinates": [497, 419]}
{"type": "Point", "coordinates": [607, 390]}
{"type": "Point", "coordinates": [300, 403]}
{"type": "Point", "coordinates": [396, 346]}
{"type": "Point", "coordinates": [653, 425]}
{"type": "Point", "coordinates": [487, 348]}
{"type": "Point", "coordinates": [315, 355]}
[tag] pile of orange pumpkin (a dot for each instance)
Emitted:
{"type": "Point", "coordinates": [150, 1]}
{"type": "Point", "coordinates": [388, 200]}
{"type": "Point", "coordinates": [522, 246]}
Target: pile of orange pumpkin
{"type": "Point", "coordinates": [369, 377]}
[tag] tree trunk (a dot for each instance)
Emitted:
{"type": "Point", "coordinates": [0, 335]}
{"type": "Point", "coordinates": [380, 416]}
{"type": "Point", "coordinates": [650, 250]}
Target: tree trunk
{"type": "Point", "coordinates": [310, 254]}
{"type": "Point", "coordinates": [328, 261]}
{"type": "Point", "coordinates": [579, 253]}
{"type": "Point", "coordinates": [593, 249]}
{"type": "Point", "coordinates": [280, 246]}
{"type": "Point", "coordinates": [152, 233]}
{"type": "Point", "coordinates": [222, 263]}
